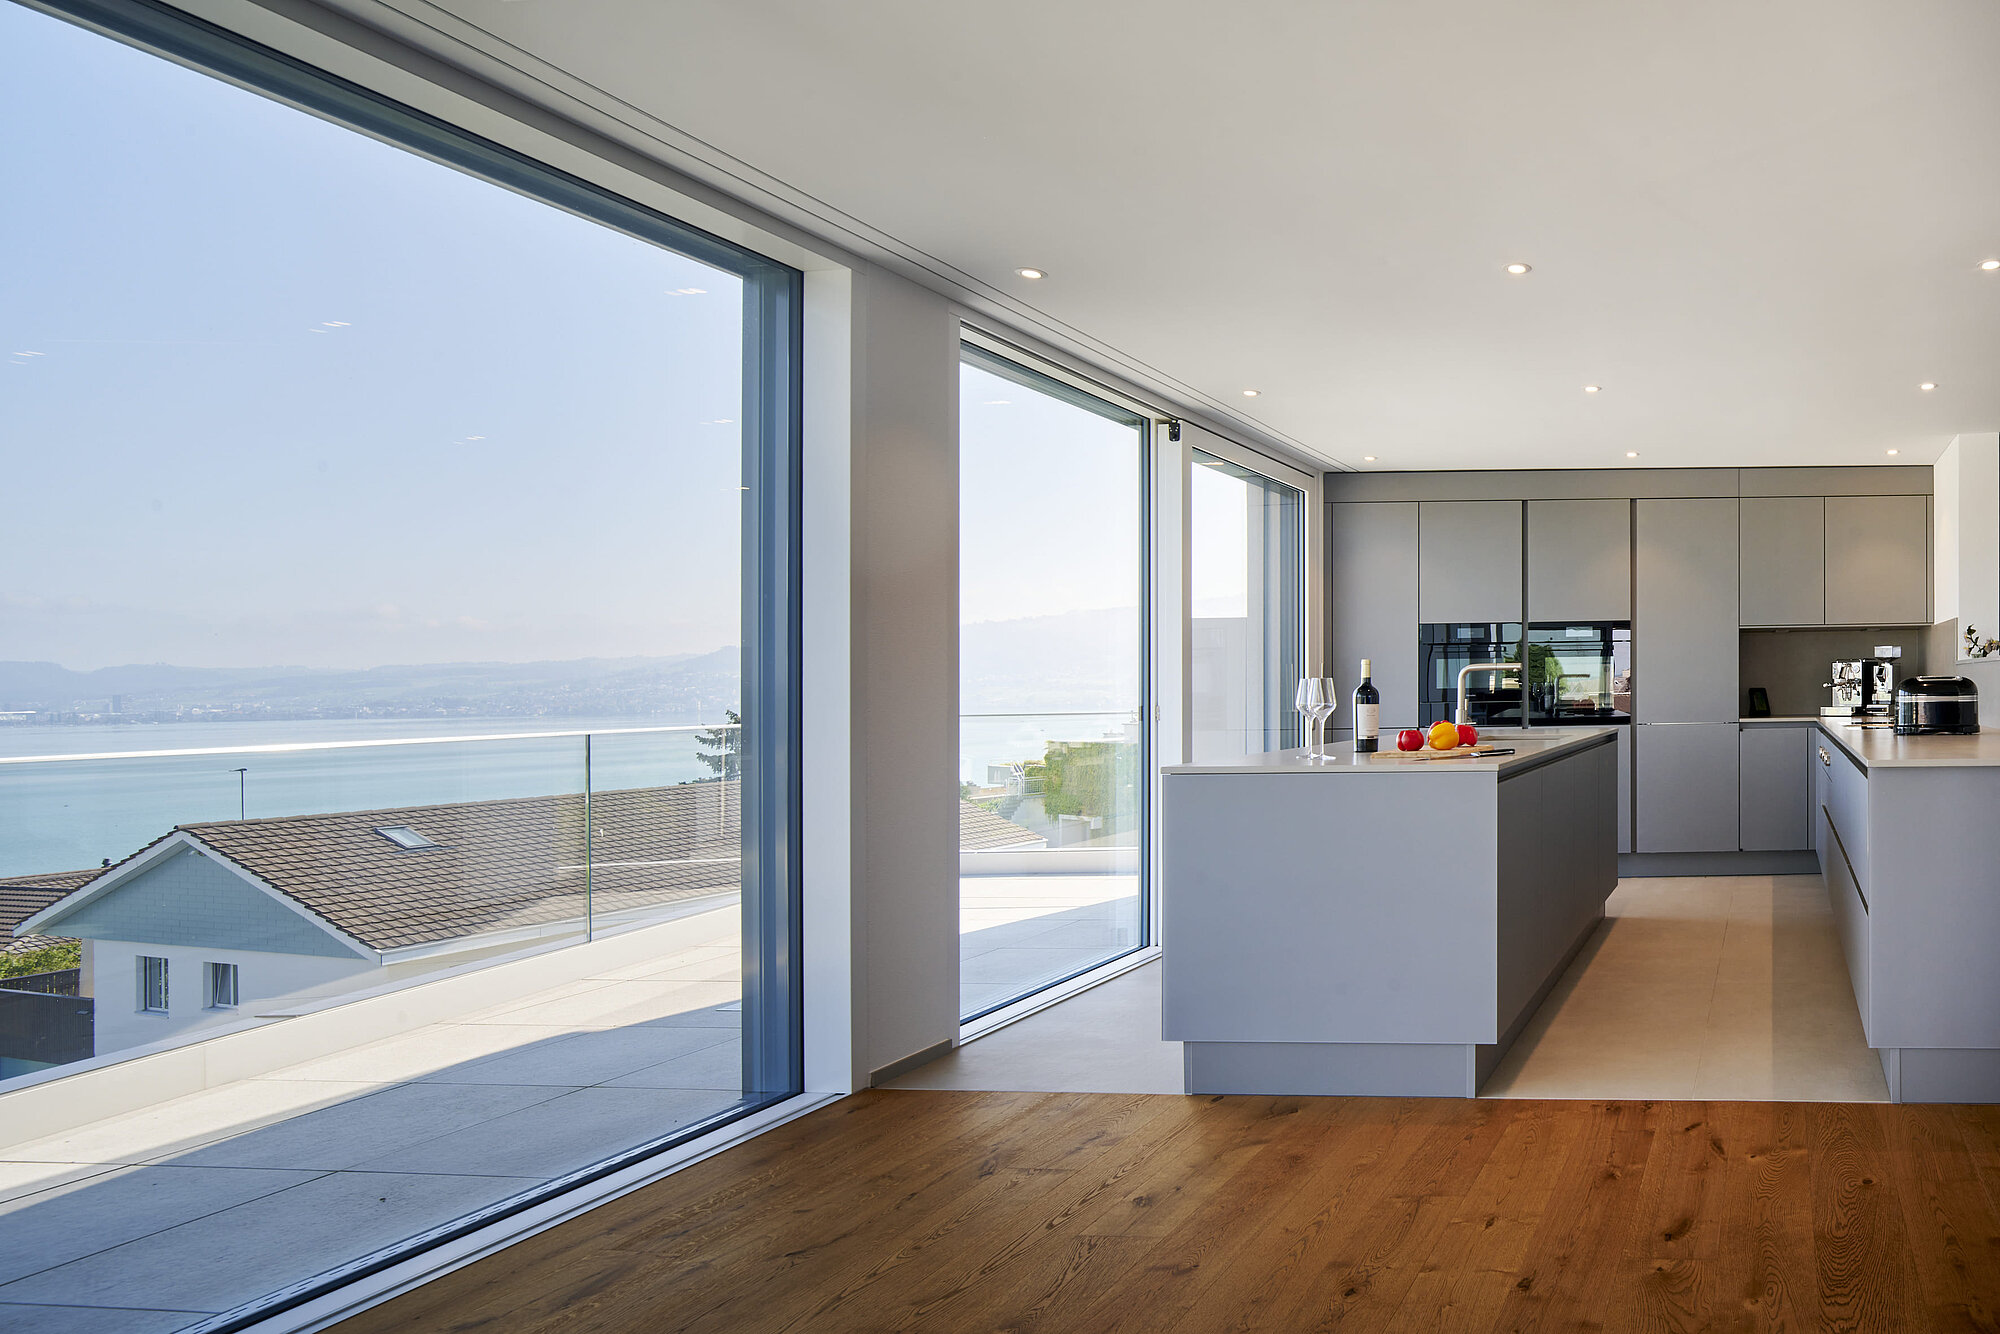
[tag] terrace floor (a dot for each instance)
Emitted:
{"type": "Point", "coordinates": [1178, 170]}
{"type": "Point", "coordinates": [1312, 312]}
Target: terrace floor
{"type": "Point", "coordinates": [157, 1219]}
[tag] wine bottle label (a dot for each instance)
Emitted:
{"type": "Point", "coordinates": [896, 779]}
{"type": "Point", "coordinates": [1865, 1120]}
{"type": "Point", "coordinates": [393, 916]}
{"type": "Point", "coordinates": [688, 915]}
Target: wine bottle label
{"type": "Point", "coordinates": [1367, 720]}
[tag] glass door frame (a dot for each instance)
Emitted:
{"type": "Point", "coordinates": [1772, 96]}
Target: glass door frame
{"type": "Point", "coordinates": [1149, 424]}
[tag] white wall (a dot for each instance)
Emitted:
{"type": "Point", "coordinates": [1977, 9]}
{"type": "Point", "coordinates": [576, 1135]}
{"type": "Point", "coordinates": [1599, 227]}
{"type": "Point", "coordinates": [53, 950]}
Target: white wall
{"type": "Point", "coordinates": [905, 663]}
{"type": "Point", "coordinates": [262, 979]}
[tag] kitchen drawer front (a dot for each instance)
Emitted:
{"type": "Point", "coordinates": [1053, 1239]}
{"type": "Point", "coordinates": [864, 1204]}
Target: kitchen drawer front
{"type": "Point", "coordinates": [1847, 804]}
{"type": "Point", "coordinates": [1850, 914]}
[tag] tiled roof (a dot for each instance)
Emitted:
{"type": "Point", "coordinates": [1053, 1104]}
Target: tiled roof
{"type": "Point", "coordinates": [500, 866]}
{"type": "Point", "coordinates": [980, 829]}
{"type": "Point", "coordinates": [25, 895]}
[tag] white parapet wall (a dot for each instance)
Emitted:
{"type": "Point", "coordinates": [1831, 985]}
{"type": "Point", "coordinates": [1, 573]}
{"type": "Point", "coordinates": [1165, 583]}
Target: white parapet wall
{"type": "Point", "coordinates": [66, 1096]}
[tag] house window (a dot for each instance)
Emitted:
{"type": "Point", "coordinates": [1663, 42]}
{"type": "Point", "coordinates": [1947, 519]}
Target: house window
{"type": "Point", "coordinates": [152, 984]}
{"type": "Point", "coordinates": [221, 986]}
{"type": "Point", "coordinates": [405, 837]}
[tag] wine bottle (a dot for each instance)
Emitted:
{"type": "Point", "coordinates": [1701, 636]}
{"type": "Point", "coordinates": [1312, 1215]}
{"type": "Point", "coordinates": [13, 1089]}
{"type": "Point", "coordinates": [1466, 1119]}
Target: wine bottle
{"type": "Point", "coordinates": [1367, 714]}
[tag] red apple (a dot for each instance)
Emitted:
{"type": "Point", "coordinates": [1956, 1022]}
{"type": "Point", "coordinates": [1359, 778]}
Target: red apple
{"type": "Point", "coordinates": [1468, 735]}
{"type": "Point", "coordinates": [1409, 739]}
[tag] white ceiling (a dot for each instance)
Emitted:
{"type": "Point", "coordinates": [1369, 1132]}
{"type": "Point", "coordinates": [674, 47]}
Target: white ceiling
{"type": "Point", "coordinates": [1757, 226]}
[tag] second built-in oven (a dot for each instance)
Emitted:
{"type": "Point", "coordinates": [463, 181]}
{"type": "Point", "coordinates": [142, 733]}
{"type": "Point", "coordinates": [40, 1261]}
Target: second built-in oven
{"type": "Point", "coordinates": [1579, 674]}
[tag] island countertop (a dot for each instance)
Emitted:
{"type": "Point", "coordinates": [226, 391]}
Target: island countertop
{"type": "Point", "coordinates": [1530, 751]}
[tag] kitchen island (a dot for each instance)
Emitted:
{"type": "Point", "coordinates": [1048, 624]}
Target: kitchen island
{"type": "Point", "coordinates": [1375, 924]}
{"type": "Point", "coordinates": [1907, 837]}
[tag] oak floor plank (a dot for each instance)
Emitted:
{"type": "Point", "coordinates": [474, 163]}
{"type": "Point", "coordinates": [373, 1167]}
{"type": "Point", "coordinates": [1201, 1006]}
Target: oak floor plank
{"type": "Point", "coordinates": [1484, 1246]}
{"type": "Point", "coordinates": [1103, 1214]}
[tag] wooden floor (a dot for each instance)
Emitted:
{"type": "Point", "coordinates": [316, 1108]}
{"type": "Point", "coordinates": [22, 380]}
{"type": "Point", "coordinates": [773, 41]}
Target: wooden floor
{"type": "Point", "coordinates": [946, 1211]}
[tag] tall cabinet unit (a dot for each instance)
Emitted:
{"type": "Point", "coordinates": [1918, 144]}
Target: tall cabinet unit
{"type": "Point", "coordinates": [1684, 649]}
{"type": "Point", "coordinates": [1371, 549]}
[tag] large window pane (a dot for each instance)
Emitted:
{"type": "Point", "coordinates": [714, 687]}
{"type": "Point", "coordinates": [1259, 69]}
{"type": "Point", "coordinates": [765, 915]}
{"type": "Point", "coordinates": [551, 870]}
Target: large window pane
{"type": "Point", "coordinates": [381, 536]}
{"type": "Point", "coordinates": [1245, 571]}
{"type": "Point", "coordinates": [1052, 753]}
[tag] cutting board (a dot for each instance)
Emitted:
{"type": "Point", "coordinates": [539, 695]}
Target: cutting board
{"type": "Point", "coordinates": [1455, 753]}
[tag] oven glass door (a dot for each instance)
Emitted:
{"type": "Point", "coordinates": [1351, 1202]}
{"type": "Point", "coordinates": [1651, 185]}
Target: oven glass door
{"type": "Point", "coordinates": [1580, 674]}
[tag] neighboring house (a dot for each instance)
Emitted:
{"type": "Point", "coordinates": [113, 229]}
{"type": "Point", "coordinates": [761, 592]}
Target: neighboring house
{"type": "Point", "coordinates": [215, 921]}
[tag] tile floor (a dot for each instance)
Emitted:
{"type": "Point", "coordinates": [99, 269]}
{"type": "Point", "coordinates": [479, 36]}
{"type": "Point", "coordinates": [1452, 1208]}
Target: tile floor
{"type": "Point", "coordinates": [157, 1219]}
{"type": "Point", "coordinates": [1104, 1040]}
{"type": "Point", "coordinates": [1022, 932]}
{"type": "Point", "coordinates": [1728, 987]}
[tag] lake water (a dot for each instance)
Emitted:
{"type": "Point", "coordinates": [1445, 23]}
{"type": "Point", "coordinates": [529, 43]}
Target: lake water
{"type": "Point", "coordinates": [67, 814]}
{"type": "Point", "coordinates": [72, 813]}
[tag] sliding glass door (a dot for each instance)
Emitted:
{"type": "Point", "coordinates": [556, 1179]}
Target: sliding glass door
{"type": "Point", "coordinates": [1246, 574]}
{"type": "Point", "coordinates": [398, 748]}
{"type": "Point", "coordinates": [1053, 742]}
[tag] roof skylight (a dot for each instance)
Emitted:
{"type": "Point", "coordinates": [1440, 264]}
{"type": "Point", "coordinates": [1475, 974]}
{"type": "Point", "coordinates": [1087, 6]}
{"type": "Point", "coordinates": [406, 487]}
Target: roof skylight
{"type": "Point", "coordinates": [405, 837]}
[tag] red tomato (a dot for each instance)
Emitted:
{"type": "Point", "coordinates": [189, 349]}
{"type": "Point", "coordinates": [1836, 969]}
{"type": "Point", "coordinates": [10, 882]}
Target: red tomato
{"type": "Point", "coordinates": [1468, 735]}
{"type": "Point", "coordinates": [1409, 739]}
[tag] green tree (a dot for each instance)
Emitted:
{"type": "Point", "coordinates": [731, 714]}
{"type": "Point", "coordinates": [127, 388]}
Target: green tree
{"type": "Point", "coordinates": [1088, 778]}
{"type": "Point", "coordinates": [727, 745]}
{"type": "Point", "coordinates": [49, 959]}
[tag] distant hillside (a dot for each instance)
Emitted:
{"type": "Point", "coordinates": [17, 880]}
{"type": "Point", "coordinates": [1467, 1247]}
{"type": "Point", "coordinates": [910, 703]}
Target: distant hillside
{"type": "Point", "coordinates": [650, 686]}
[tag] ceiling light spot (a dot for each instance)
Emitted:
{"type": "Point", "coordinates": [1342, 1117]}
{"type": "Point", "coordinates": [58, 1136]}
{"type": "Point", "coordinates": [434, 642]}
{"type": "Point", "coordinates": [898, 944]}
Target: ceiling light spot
{"type": "Point", "coordinates": [1895, 451]}
{"type": "Point", "coordinates": [1631, 453]}
{"type": "Point", "coordinates": [1032, 273]}
{"type": "Point", "coordinates": [1518, 269]}
{"type": "Point", "coordinates": [1593, 388]}
{"type": "Point", "coordinates": [1367, 458]}
{"type": "Point", "coordinates": [1989, 264]}
{"type": "Point", "coordinates": [1252, 393]}
{"type": "Point", "coordinates": [1928, 385]}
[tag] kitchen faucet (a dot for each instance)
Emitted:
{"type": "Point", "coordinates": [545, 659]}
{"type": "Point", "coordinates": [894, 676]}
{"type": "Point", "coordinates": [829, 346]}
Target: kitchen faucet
{"type": "Point", "coordinates": [1464, 712]}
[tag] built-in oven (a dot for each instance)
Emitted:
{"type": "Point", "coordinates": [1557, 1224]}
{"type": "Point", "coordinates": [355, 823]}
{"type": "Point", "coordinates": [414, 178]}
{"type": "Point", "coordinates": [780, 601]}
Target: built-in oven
{"type": "Point", "coordinates": [1493, 699]}
{"type": "Point", "coordinates": [1579, 674]}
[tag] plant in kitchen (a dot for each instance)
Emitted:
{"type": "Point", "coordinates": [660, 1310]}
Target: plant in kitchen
{"type": "Point", "coordinates": [1975, 647]}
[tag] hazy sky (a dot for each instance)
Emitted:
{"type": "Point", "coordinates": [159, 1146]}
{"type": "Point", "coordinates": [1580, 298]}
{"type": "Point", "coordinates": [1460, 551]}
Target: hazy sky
{"type": "Point", "coordinates": [299, 397]}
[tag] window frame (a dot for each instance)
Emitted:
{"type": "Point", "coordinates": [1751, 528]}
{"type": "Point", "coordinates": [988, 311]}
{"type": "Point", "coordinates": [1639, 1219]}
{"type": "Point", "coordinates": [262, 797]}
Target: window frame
{"type": "Point", "coordinates": [149, 974]}
{"type": "Point", "coordinates": [212, 974]}
{"type": "Point", "coordinates": [772, 567]}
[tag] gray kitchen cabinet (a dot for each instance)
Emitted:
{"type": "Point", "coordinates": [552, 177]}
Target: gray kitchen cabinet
{"type": "Point", "coordinates": [1371, 549]}
{"type": "Point", "coordinates": [1782, 550]}
{"type": "Point", "coordinates": [1579, 560]}
{"type": "Point", "coordinates": [1878, 558]}
{"type": "Point", "coordinates": [1469, 561]}
{"type": "Point", "coordinates": [1774, 793]}
{"type": "Point", "coordinates": [1684, 617]}
{"type": "Point", "coordinates": [1684, 780]}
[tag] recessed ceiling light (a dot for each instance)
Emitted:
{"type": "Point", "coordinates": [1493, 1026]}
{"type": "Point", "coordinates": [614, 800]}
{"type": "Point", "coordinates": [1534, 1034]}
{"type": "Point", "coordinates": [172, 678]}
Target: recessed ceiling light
{"type": "Point", "coordinates": [1928, 385]}
{"type": "Point", "coordinates": [1592, 388]}
{"type": "Point", "coordinates": [1518, 269]}
{"type": "Point", "coordinates": [1631, 453]}
{"type": "Point", "coordinates": [1895, 451]}
{"type": "Point", "coordinates": [1989, 264]}
{"type": "Point", "coordinates": [1367, 458]}
{"type": "Point", "coordinates": [1252, 393]}
{"type": "Point", "coordinates": [1032, 273]}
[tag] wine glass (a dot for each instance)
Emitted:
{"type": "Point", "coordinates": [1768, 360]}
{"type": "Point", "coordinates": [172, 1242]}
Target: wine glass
{"type": "Point", "coordinates": [1329, 704]}
{"type": "Point", "coordinates": [1314, 701]}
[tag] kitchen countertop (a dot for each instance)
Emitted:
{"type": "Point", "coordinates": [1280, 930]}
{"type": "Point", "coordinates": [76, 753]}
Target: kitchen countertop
{"type": "Point", "coordinates": [1789, 719]}
{"type": "Point", "coordinates": [1529, 751]}
{"type": "Point", "coordinates": [1881, 748]}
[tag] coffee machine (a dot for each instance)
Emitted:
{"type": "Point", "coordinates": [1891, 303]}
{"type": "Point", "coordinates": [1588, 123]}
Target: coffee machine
{"type": "Point", "coordinates": [1865, 688]}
